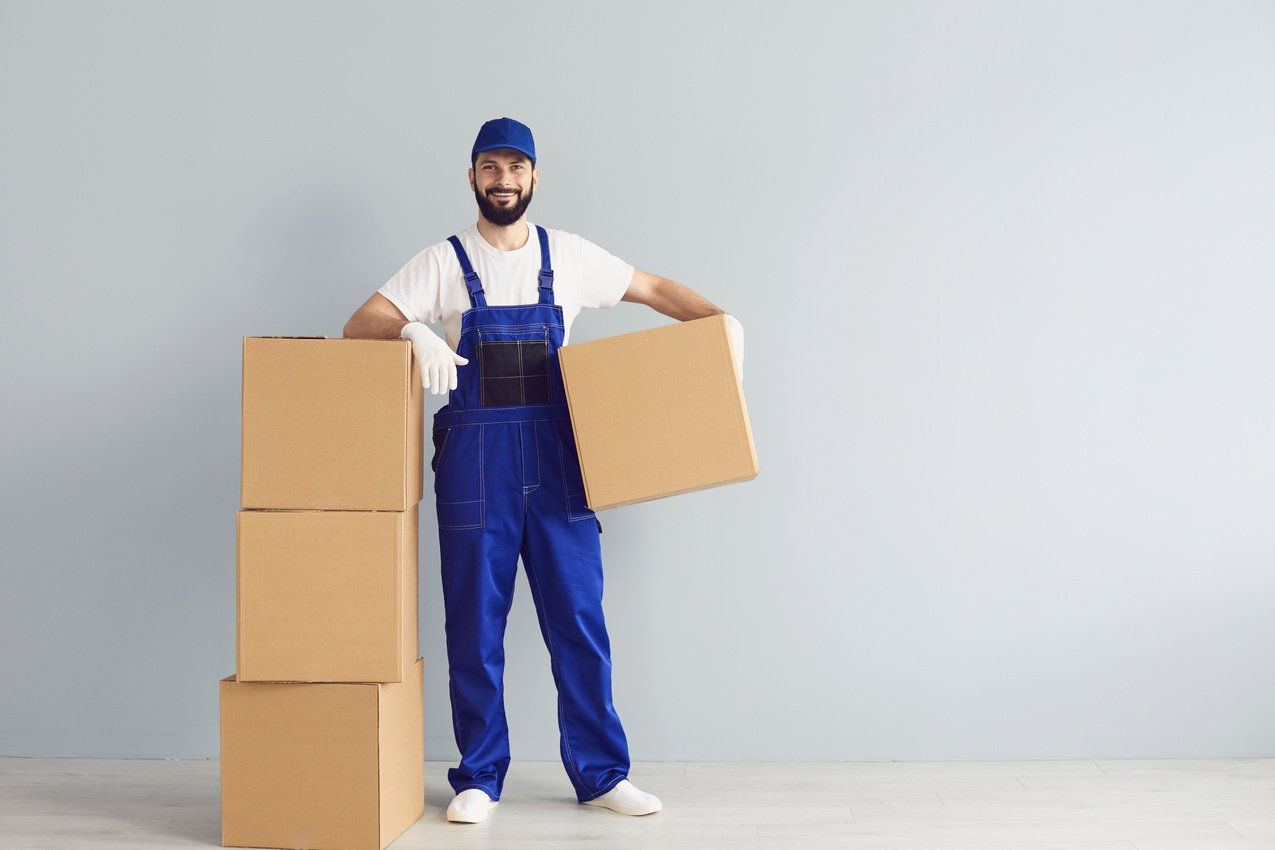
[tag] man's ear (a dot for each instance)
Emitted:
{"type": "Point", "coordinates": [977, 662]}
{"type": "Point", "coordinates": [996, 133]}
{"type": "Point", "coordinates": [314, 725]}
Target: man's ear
{"type": "Point", "coordinates": [472, 187]}
{"type": "Point", "coordinates": [535, 178]}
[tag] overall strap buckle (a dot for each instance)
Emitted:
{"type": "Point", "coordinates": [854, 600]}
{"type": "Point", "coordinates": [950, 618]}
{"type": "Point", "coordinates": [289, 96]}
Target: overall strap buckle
{"type": "Point", "coordinates": [475, 286]}
{"type": "Point", "coordinates": [546, 286]}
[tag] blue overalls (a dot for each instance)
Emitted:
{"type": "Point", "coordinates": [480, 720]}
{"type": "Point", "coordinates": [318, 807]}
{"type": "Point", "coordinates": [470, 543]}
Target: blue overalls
{"type": "Point", "coordinates": [508, 483]}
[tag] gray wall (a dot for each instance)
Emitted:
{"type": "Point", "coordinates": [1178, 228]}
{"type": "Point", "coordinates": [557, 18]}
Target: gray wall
{"type": "Point", "coordinates": [1006, 274]}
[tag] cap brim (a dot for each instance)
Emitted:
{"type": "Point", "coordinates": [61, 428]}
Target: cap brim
{"type": "Point", "coordinates": [528, 154]}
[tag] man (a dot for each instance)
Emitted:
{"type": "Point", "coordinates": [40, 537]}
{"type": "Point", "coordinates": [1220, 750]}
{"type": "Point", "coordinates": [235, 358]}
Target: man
{"type": "Point", "coordinates": [507, 480]}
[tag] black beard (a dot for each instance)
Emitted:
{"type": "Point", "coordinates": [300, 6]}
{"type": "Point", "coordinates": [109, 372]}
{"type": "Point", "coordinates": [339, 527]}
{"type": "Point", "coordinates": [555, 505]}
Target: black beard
{"type": "Point", "coordinates": [502, 216]}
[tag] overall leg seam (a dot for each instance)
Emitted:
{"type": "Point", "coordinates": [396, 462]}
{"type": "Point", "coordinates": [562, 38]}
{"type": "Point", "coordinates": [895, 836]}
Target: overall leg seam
{"type": "Point", "coordinates": [553, 658]}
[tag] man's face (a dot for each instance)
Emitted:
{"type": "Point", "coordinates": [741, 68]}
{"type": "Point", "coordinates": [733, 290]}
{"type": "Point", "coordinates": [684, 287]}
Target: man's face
{"type": "Point", "coordinates": [503, 181]}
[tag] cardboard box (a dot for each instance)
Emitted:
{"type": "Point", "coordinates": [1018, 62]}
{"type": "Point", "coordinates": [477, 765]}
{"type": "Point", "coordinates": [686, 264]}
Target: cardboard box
{"type": "Point", "coordinates": [319, 766]}
{"type": "Point", "coordinates": [326, 596]}
{"type": "Point", "coordinates": [658, 412]}
{"type": "Point", "coordinates": [331, 424]}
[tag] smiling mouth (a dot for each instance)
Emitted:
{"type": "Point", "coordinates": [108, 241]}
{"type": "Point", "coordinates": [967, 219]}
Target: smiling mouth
{"type": "Point", "coordinates": [503, 195]}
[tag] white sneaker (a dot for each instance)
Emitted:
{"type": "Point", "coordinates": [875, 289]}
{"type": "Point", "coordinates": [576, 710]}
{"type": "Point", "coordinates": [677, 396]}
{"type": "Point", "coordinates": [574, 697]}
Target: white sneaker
{"type": "Point", "coordinates": [470, 806]}
{"type": "Point", "coordinates": [627, 799]}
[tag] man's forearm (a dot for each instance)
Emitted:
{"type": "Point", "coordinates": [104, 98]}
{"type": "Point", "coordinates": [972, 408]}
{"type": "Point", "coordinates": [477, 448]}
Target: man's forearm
{"type": "Point", "coordinates": [369, 325]}
{"type": "Point", "coordinates": [681, 302]}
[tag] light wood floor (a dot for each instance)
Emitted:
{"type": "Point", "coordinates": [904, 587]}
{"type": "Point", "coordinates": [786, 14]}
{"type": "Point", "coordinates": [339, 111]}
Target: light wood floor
{"type": "Point", "coordinates": [1119, 805]}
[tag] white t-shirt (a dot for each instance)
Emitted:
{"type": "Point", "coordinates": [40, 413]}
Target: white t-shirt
{"type": "Point", "coordinates": [431, 287]}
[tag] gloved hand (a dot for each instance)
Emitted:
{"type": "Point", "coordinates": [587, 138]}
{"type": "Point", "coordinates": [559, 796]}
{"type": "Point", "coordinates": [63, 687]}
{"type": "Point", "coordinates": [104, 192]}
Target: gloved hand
{"type": "Point", "coordinates": [736, 343]}
{"type": "Point", "coordinates": [438, 361]}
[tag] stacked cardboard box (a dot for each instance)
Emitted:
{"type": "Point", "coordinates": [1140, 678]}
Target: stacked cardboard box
{"type": "Point", "coordinates": [322, 740]}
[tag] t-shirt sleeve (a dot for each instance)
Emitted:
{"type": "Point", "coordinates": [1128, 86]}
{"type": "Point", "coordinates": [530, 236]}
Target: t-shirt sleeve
{"type": "Point", "coordinates": [414, 290]}
{"type": "Point", "coordinates": [604, 278]}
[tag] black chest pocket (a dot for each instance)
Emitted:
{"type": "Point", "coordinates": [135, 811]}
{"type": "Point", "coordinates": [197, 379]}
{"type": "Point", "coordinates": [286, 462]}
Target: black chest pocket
{"type": "Point", "coordinates": [513, 371]}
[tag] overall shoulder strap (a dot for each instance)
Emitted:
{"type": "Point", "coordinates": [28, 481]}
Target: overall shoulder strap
{"type": "Point", "coordinates": [546, 270]}
{"type": "Point", "coordinates": [475, 286]}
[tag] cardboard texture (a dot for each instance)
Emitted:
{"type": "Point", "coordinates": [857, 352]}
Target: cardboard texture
{"type": "Point", "coordinates": [331, 424]}
{"type": "Point", "coordinates": [657, 413]}
{"type": "Point", "coordinates": [321, 766]}
{"type": "Point", "coordinates": [326, 596]}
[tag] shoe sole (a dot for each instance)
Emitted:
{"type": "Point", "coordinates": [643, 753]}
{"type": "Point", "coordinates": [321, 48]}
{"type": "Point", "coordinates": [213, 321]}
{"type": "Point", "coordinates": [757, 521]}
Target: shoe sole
{"type": "Point", "coordinates": [596, 805]}
{"type": "Point", "coordinates": [471, 818]}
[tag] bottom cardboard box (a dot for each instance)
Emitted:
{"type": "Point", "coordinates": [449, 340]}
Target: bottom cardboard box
{"type": "Point", "coordinates": [321, 766]}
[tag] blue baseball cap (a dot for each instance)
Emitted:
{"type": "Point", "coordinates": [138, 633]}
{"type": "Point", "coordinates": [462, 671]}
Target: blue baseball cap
{"type": "Point", "coordinates": [504, 133]}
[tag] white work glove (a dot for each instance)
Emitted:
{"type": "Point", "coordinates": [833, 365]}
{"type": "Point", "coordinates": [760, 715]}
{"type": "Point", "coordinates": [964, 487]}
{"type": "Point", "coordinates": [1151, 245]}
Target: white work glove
{"type": "Point", "coordinates": [438, 361]}
{"type": "Point", "coordinates": [736, 343]}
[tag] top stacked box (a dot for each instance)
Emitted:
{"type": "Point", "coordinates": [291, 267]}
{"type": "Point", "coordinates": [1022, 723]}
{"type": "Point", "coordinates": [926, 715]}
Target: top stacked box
{"type": "Point", "coordinates": [331, 424]}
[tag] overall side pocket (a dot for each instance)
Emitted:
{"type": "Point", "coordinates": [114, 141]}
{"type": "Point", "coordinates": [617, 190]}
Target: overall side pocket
{"type": "Point", "coordinates": [572, 478]}
{"type": "Point", "coordinates": [458, 477]}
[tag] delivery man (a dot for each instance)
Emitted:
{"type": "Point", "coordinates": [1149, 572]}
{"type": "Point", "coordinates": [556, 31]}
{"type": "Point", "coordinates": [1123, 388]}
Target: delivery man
{"type": "Point", "coordinates": [506, 476]}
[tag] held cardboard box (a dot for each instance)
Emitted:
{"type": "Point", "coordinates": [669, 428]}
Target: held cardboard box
{"type": "Point", "coordinates": [321, 766]}
{"type": "Point", "coordinates": [326, 596]}
{"type": "Point", "coordinates": [658, 412]}
{"type": "Point", "coordinates": [331, 424]}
